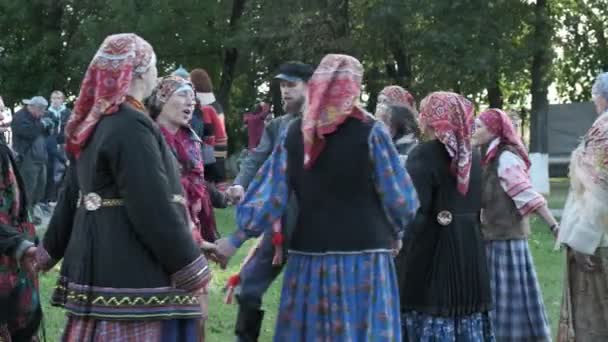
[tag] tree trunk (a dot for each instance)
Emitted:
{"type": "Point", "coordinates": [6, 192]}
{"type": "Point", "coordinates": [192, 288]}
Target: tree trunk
{"type": "Point", "coordinates": [541, 64]}
{"type": "Point", "coordinates": [231, 56]}
{"type": "Point", "coordinates": [403, 76]}
{"type": "Point", "coordinates": [495, 93]}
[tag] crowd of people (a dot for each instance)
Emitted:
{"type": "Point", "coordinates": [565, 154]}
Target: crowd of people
{"type": "Point", "coordinates": [409, 224]}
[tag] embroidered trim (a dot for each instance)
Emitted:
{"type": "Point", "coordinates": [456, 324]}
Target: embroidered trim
{"type": "Point", "coordinates": [132, 301]}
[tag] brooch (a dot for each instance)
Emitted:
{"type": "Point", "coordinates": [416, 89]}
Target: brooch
{"type": "Point", "coordinates": [444, 218]}
{"type": "Point", "coordinates": [92, 201]}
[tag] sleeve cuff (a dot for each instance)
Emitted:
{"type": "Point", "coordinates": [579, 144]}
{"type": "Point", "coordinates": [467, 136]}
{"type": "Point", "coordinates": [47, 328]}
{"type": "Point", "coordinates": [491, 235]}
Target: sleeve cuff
{"type": "Point", "coordinates": [194, 276]}
{"type": "Point", "coordinates": [21, 248]}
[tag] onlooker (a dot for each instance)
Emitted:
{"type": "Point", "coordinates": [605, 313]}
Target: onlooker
{"type": "Point", "coordinates": [5, 122]}
{"type": "Point", "coordinates": [55, 165]}
{"type": "Point", "coordinates": [254, 121]}
{"type": "Point", "coordinates": [29, 142]}
{"type": "Point", "coordinates": [215, 128]}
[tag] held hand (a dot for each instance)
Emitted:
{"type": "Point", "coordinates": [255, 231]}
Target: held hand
{"type": "Point", "coordinates": [397, 245]}
{"type": "Point", "coordinates": [28, 261]}
{"type": "Point", "coordinates": [235, 193]}
{"type": "Point", "coordinates": [210, 251]}
{"type": "Point", "coordinates": [588, 263]}
{"type": "Point", "coordinates": [225, 249]}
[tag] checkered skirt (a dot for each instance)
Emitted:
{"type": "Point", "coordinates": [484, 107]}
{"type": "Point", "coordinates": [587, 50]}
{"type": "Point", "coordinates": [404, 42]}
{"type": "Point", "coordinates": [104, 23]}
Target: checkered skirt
{"type": "Point", "coordinates": [519, 312]}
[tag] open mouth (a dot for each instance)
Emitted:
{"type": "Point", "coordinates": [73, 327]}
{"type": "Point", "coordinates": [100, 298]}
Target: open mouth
{"type": "Point", "coordinates": [187, 111]}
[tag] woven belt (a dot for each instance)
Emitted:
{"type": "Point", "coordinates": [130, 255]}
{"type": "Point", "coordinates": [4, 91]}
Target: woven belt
{"type": "Point", "coordinates": [92, 201]}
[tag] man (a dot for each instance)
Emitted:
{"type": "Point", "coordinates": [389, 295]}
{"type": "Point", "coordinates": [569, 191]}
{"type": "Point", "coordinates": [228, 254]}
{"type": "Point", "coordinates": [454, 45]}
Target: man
{"type": "Point", "coordinates": [59, 114]}
{"type": "Point", "coordinates": [29, 142]}
{"type": "Point", "coordinates": [259, 273]}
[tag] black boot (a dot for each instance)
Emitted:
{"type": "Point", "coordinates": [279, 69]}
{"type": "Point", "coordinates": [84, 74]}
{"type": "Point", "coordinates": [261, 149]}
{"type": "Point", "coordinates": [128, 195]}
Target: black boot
{"type": "Point", "coordinates": [248, 324]}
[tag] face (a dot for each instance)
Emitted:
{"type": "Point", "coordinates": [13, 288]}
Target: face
{"type": "Point", "coordinates": [601, 104]}
{"type": "Point", "coordinates": [482, 134]}
{"type": "Point", "coordinates": [177, 112]}
{"type": "Point", "coordinates": [382, 99]}
{"type": "Point", "coordinates": [56, 100]}
{"type": "Point", "coordinates": [383, 114]}
{"type": "Point", "coordinates": [36, 111]}
{"type": "Point", "coordinates": [293, 95]}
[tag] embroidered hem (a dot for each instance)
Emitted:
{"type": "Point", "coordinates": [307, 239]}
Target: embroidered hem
{"type": "Point", "coordinates": [125, 303]}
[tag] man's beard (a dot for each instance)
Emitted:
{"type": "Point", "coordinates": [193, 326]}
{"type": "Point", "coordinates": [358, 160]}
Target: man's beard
{"type": "Point", "coordinates": [294, 107]}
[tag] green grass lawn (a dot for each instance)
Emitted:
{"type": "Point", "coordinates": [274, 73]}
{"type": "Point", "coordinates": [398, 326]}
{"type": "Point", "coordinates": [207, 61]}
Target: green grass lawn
{"type": "Point", "coordinates": [222, 316]}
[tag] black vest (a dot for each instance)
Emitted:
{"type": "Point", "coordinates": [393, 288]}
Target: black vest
{"type": "Point", "coordinates": [339, 207]}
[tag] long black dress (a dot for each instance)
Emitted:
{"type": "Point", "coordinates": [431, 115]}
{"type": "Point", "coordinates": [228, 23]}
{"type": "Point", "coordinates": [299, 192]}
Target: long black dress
{"type": "Point", "coordinates": [442, 268]}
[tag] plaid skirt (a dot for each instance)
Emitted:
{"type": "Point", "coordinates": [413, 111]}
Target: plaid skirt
{"type": "Point", "coordinates": [519, 311]}
{"type": "Point", "coordinates": [91, 330]}
{"type": "Point", "coordinates": [339, 298]}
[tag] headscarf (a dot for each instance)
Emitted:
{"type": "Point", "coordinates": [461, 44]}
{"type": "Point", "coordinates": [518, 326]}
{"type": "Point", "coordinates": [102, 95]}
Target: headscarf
{"type": "Point", "coordinates": [106, 83]}
{"type": "Point", "coordinates": [450, 115]}
{"type": "Point", "coordinates": [333, 93]}
{"type": "Point", "coordinates": [398, 96]}
{"type": "Point", "coordinates": [592, 156]}
{"type": "Point", "coordinates": [166, 87]}
{"type": "Point", "coordinates": [501, 126]}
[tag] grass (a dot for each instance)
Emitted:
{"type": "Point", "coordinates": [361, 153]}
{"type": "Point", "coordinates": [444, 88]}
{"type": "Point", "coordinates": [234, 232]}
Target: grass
{"type": "Point", "coordinates": [222, 317]}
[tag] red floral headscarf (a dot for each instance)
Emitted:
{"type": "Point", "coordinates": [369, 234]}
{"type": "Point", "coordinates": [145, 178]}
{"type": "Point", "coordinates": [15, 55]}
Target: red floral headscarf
{"type": "Point", "coordinates": [106, 83]}
{"type": "Point", "coordinates": [398, 96]}
{"type": "Point", "coordinates": [450, 115]}
{"type": "Point", "coordinates": [333, 93]}
{"type": "Point", "coordinates": [501, 126]}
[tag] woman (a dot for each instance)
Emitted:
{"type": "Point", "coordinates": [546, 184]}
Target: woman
{"type": "Point", "coordinates": [507, 200]}
{"type": "Point", "coordinates": [446, 294]}
{"type": "Point", "coordinates": [403, 126]}
{"type": "Point", "coordinates": [584, 232]}
{"type": "Point", "coordinates": [131, 270]}
{"type": "Point", "coordinates": [215, 127]}
{"type": "Point", "coordinates": [339, 281]}
{"type": "Point", "coordinates": [20, 312]}
{"type": "Point", "coordinates": [171, 106]}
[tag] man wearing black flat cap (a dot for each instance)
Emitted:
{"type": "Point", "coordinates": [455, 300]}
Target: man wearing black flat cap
{"type": "Point", "coordinates": [258, 273]}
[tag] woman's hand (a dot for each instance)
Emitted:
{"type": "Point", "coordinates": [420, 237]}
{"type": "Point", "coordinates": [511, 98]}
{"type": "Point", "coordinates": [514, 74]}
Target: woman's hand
{"type": "Point", "coordinates": [397, 245]}
{"type": "Point", "coordinates": [588, 263]}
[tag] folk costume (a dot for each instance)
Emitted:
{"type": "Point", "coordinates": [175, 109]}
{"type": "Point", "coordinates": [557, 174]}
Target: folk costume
{"type": "Point", "coordinates": [131, 270]}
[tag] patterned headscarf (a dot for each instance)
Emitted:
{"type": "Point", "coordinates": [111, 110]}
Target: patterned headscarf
{"type": "Point", "coordinates": [166, 87]}
{"type": "Point", "coordinates": [450, 115]}
{"type": "Point", "coordinates": [333, 93]}
{"type": "Point", "coordinates": [106, 83]}
{"type": "Point", "coordinates": [592, 155]}
{"type": "Point", "coordinates": [501, 126]}
{"type": "Point", "coordinates": [398, 96]}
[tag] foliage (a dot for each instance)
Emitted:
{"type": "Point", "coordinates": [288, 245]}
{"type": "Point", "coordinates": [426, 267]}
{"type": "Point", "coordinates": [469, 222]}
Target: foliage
{"type": "Point", "coordinates": [481, 48]}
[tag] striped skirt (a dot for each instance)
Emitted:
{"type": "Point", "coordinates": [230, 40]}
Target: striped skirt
{"type": "Point", "coordinates": [519, 312]}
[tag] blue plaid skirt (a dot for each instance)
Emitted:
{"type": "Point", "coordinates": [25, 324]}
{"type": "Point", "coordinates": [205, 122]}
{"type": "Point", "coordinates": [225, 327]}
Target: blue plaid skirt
{"type": "Point", "coordinates": [519, 311]}
{"type": "Point", "coordinates": [339, 297]}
